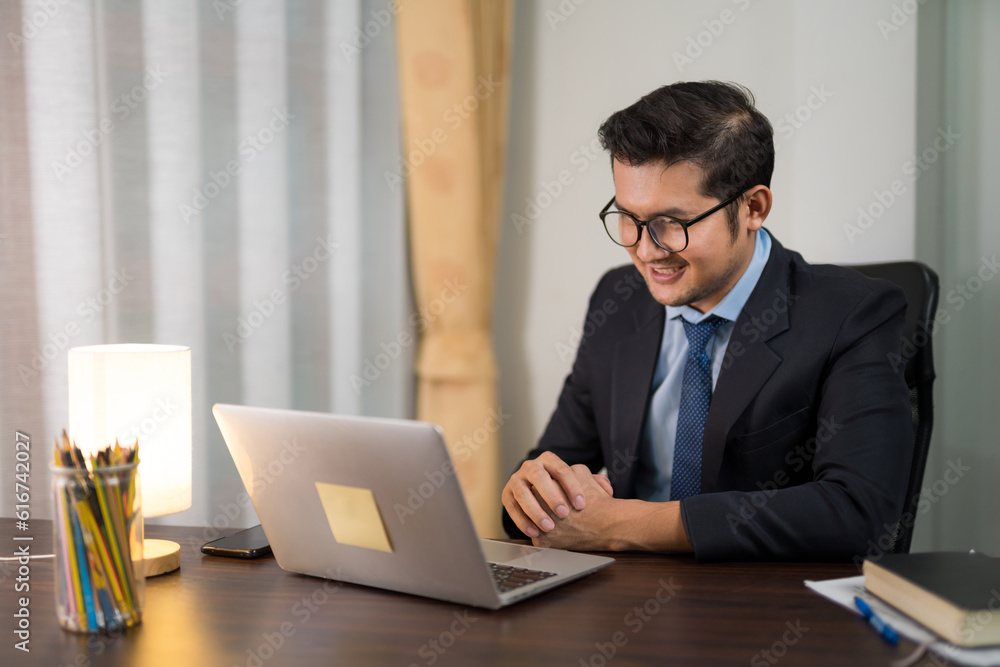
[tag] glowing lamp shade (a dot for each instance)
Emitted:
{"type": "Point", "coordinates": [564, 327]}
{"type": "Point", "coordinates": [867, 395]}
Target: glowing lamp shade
{"type": "Point", "coordinates": [139, 392]}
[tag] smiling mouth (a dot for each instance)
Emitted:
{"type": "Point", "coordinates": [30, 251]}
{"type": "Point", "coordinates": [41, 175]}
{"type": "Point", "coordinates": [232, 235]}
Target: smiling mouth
{"type": "Point", "coordinates": [665, 271]}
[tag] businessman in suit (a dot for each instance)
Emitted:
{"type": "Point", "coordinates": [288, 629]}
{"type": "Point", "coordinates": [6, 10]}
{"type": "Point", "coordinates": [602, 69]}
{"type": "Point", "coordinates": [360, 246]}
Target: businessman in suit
{"type": "Point", "coordinates": [740, 399]}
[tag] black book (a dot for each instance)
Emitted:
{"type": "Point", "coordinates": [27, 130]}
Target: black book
{"type": "Point", "coordinates": [954, 594]}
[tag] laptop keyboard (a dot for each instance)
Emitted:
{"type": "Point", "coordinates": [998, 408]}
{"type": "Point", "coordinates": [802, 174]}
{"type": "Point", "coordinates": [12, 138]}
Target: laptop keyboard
{"type": "Point", "coordinates": [507, 578]}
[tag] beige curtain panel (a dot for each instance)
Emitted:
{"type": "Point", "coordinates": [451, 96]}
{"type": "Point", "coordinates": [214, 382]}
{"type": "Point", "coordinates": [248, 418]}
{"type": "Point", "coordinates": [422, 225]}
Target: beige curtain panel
{"type": "Point", "coordinates": [453, 69]}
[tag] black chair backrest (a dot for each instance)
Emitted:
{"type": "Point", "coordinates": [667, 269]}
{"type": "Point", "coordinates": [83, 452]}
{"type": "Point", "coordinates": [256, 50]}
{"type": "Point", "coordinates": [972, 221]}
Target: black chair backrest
{"type": "Point", "coordinates": [920, 284]}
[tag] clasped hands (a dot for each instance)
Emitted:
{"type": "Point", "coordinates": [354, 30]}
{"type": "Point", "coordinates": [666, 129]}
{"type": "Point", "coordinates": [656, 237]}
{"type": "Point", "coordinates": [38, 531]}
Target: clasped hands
{"type": "Point", "coordinates": [558, 505]}
{"type": "Point", "coordinates": [569, 507]}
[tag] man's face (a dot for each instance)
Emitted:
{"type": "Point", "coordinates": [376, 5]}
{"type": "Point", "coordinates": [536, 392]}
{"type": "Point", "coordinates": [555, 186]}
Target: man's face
{"type": "Point", "coordinates": [701, 274]}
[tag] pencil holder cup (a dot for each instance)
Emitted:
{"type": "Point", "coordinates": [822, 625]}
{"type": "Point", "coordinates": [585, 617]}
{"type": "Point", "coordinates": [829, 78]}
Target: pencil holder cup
{"type": "Point", "coordinates": [100, 582]}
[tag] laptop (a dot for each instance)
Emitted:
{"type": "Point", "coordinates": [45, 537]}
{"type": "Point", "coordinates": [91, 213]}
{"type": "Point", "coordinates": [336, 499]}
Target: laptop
{"type": "Point", "coordinates": [376, 502]}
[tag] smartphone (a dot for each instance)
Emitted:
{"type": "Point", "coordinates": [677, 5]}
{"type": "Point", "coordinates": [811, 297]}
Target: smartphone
{"type": "Point", "coordinates": [249, 543]}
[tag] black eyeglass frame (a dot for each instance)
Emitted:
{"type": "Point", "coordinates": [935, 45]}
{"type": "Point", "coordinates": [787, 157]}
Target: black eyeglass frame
{"type": "Point", "coordinates": [684, 223]}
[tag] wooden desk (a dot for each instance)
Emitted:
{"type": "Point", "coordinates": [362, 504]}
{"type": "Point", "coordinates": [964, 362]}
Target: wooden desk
{"type": "Point", "coordinates": [218, 611]}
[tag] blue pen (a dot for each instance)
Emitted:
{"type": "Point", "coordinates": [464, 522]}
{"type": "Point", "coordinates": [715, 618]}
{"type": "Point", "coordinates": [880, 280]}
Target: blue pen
{"type": "Point", "coordinates": [883, 628]}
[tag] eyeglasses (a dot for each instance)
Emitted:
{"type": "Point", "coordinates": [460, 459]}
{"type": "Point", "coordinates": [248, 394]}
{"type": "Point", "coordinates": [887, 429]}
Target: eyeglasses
{"type": "Point", "coordinates": [668, 233]}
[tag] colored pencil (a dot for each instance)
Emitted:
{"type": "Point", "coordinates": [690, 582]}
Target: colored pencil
{"type": "Point", "coordinates": [96, 517]}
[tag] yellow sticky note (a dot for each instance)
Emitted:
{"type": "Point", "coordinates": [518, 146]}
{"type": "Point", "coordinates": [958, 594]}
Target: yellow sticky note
{"type": "Point", "coordinates": [354, 517]}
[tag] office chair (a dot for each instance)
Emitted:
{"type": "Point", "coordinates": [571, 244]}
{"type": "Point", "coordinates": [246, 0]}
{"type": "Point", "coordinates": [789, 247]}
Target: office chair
{"type": "Point", "coordinates": [920, 284]}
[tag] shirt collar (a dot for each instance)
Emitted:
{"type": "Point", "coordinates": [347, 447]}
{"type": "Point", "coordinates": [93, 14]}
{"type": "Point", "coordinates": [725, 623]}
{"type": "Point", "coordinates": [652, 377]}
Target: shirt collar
{"type": "Point", "coordinates": [732, 304]}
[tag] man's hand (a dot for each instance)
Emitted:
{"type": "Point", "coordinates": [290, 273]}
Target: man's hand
{"type": "Point", "coordinates": [541, 489]}
{"type": "Point", "coordinates": [535, 498]}
{"type": "Point", "coordinates": [595, 529]}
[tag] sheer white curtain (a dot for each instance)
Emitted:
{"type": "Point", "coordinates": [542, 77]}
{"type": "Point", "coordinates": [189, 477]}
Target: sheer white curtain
{"type": "Point", "coordinates": [199, 173]}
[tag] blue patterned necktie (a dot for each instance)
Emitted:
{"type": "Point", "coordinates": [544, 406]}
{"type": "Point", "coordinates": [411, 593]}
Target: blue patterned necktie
{"type": "Point", "coordinates": [696, 396]}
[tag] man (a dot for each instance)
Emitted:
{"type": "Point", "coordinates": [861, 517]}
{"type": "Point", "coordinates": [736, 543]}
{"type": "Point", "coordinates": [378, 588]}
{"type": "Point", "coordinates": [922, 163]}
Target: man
{"type": "Point", "coordinates": [742, 400]}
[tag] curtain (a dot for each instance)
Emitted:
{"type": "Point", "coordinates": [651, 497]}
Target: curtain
{"type": "Point", "coordinates": [453, 64]}
{"type": "Point", "coordinates": [192, 173]}
{"type": "Point", "coordinates": [958, 144]}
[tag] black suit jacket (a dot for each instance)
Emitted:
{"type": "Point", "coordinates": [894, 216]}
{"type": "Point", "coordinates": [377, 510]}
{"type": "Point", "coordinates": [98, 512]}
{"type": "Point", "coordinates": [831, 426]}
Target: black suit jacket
{"type": "Point", "coordinates": [808, 440]}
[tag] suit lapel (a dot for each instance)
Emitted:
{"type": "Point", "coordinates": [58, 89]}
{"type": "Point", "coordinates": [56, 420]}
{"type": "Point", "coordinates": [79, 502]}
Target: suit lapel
{"type": "Point", "coordinates": [632, 376]}
{"type": "Point", "coordinates": [749, 360]}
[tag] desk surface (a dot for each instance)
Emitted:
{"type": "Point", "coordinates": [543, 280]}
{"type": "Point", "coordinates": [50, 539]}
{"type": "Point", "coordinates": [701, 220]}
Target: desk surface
{"type": "Point", "coordinates": [219, 611]}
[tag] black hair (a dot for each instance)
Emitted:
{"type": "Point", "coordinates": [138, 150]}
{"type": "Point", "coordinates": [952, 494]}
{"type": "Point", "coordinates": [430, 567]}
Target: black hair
{"type": "Point", "coordinates": [712, 124]}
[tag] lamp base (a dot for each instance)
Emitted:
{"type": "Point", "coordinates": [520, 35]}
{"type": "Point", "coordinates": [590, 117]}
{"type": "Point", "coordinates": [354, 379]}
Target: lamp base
{"type": "Point", "coordinates": [160, 557]}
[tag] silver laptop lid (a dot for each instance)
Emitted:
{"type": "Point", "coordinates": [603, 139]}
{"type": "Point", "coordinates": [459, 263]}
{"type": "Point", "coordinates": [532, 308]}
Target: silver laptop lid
{"type": "Point", "coordinates": [322, 485]}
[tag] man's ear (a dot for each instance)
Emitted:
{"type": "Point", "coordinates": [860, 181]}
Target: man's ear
{"type": "Point", "coordinates": [758, 201]}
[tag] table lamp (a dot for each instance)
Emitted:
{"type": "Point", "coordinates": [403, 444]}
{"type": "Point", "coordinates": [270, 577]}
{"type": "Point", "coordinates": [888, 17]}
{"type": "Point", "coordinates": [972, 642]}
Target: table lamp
{"type": "Point", "coordinates": [138, 391]}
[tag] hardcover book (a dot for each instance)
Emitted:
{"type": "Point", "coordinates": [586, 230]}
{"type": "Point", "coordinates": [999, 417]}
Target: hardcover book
{"type": "Point", "coordinates": [954, 594]}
